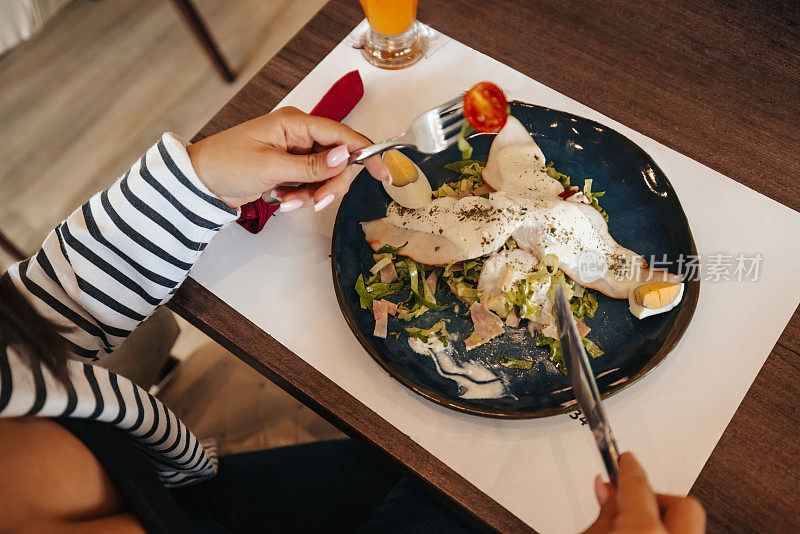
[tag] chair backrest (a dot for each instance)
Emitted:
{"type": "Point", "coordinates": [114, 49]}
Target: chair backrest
{"type": "Point", "coordinates": [10, 248]}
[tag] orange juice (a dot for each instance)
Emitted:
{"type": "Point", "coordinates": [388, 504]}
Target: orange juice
{"type": "Point", "coordinates": [390, 17]}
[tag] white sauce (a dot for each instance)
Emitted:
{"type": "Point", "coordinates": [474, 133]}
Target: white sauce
{"type": "Point", "coordinates": [475, 225]}
{"type": "Point", "coordinates": [566, 229]}
{"type": "Point", "coordinates": [494, 269]}
{"type": "Point", "coordinates": [474, 381]}
{"type": "Point", "coordinates": [540, 223]}
{"type": "Point", "coordinates": [523, 171]}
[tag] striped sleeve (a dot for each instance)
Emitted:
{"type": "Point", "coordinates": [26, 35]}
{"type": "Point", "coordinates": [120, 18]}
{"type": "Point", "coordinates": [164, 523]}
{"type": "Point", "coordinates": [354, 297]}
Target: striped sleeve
{"type": "Point", "coordinates": [124, 252]}
{"type": "Point", "coordinates": [94, 393]}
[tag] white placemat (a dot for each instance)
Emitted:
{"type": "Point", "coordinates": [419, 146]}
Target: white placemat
{"type": "Point", "coordinates": [541, 470]}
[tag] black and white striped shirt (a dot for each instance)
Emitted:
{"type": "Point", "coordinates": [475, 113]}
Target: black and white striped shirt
{"type": "Point", "coordinates": [101, 273]}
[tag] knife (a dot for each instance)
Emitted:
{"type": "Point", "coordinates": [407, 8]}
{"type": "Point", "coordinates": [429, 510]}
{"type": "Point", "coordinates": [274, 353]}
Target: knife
{"type": "Point", "coordinates": [583, 383]}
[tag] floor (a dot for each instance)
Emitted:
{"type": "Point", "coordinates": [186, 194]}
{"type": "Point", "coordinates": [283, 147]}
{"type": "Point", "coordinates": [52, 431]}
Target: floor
{"type": "Point", "coordinates": [247, 413]}
{"type": "Point", "coordinates": [89, 94]}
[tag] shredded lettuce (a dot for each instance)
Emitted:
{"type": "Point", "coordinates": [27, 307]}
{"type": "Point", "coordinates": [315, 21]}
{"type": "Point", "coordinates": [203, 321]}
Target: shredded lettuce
{"type": "Point", "coordinates": [592, 349]}
{"type": "Point", "coordinates": [373, 290]}
{"type": "Point", "coordinates": [467, 166]}
{"type": "Point", "coordinates": [587, 191]}
{"type": "Point", "coordinates": [445, 191]}
{"type": "Point", "coordinates": [556, 278]}
{"type": "Point", "coordinates": [406, 314]}
{"type": "Point", "coordinates": [587, 188]}
{"type": "Point", "coordinates": [463, 144]}
{"type": "Point", "coordinates": [472, 269]}
{"type": "Point", "coordinates": [557, 355]}
{"type": "Point", "coordinates": [521, 300]}
{"type": "Point", "coordinates": [419, 286]}
{"type": "Point", "coordinates": [585, 305]}
{"type": "Point", "coordinates": [439, 329]}
{"type": "Point", "coordinates": [463, 283]}
{"type": "Point", "coordinates": [499, 305]}
{"type": "Point", "coordinates": [515, 363]}
{"type": "Point", "coordinates": [389, 249]}
{"type": "Point", "coordinates": [563, 178]}
{"type": "Point", "coordinates": [380, 264]}
{"type": "Point", "coordinates": [469, 179]}
{"type": "Point", "coordinates": [463, 290]}
{"type": "Point", "coordinates": [510, 244]}
{"type": "Point", "coordinates": [520, 297]}
{"type": "Point", "coordinates": [473, 341]}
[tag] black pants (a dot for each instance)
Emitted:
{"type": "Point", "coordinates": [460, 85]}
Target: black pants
{"type": "Point", "coordinates": [331, 486]}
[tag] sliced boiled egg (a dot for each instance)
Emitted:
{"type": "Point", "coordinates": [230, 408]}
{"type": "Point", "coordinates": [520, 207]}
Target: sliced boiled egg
{"type": "Point", "coordinates": [410, 187]}
{"type": "Point", "coordinates": [653, 298]}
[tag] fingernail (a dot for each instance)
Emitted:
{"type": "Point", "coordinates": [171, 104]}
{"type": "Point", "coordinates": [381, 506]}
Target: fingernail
{"type": "Point", "coordinates": [274, 194]}
{"type": "Point", "coordinates": [601, 491]}
{"type": "Point", "coordinates": [290, 205]}
{"type": "Point", "coordinates": [327, 199]}
{"type": "Point", "coordinates": [337, 156]}
{"type": "Point", "coordinates": [387, 178]}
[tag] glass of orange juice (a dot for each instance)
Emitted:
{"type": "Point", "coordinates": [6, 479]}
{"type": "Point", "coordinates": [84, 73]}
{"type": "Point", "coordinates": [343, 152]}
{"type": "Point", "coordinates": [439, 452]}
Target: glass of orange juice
{"type": "Point", "coordinates": [394, 40]}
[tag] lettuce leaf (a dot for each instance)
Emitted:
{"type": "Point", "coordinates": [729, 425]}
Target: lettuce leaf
{"type": "Point", "coordinates": [585, 305]}
{"type": "Point", "coordinates": [515, 363]}
{"type": "Point", "coordinates": [557, 355]}
{"type": "Point", "coordinates": [463, 144]}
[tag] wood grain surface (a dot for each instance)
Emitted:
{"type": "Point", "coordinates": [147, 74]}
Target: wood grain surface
{"type": "Point", "coordinates": [718, 81]}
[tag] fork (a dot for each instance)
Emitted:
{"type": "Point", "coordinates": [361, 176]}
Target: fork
{"type": "Point", "coordinates": [431, 132]}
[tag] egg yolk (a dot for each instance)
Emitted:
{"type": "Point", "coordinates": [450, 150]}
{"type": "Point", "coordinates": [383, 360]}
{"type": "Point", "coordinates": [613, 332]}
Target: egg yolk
{"type": "Point", "coordinates": [656, 294]}
{"type": "Point", "coordinates": [400, 167]}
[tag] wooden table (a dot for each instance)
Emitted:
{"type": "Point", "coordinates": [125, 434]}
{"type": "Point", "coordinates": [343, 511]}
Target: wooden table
{"type": "Point", "coordinates": [716, 81]}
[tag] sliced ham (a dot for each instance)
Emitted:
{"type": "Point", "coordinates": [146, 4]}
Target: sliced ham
{"type": "Point", "coordinates": [422, 247]}
{"type": "Point", "coordinates": [487, 325]}
{"type": "Point", "coordinates": [388, 274]}
{"type": "Point", "coordinates": [582, 328]}
{"type": "Point", "coordinates": [551, 330]}
{"type": "Point", "coordinates": [381, 312]}
{"type": "Point", "coordinates": [391, 307]}
{"type": "Point", "coordinates": [546, 325]}
{"type": "Point", "coordinates": [431, 281]}
{"type": "Point", "coordinates": [483, 190]}
{"type": "Point", "coordinates": [512, 320]}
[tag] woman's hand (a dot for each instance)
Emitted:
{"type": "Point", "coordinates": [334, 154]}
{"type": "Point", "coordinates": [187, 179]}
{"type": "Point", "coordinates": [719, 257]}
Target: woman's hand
{"type": "Point", "coordinates": [633, 508]}
{"type": "Point", "coordinates": [241, 163]}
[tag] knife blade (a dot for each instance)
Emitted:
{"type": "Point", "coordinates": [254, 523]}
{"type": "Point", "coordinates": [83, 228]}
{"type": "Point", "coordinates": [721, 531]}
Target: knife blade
{"type": "Point", "coordinates": [583, 383]}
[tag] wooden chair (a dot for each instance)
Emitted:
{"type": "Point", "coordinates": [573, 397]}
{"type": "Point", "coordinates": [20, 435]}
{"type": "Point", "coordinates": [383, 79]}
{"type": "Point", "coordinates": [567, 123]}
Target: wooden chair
{"type": "Point", "coordinates": [198, 28]}
{"type": "Point", "coordinates": [10, 248]}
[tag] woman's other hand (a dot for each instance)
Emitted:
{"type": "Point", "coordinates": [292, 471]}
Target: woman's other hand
{"type": "Point", "coordinates": [241, 163]}
{"type": "Point", "coordinates": [633, 508]}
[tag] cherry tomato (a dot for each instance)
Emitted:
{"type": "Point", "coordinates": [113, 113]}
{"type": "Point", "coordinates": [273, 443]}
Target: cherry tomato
{"type": "Point", "coordinates": [486, 107]}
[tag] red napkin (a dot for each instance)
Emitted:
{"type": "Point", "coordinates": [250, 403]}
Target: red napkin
{"type": "Point", "coordinates": [340, 100]}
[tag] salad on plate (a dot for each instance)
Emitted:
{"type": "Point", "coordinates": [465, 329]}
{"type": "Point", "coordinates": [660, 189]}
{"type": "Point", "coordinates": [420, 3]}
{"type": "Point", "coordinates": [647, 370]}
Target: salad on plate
{"type": "Point", "coordinates": [499, 235]}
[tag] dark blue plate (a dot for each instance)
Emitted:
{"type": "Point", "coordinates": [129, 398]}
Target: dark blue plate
{"type": "Point", "coordinates": [645, 216]}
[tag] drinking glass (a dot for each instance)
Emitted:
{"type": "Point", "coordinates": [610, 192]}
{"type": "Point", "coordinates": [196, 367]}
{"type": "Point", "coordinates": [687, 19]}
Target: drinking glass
{"type": "Point", "coordinates": [394, 39]}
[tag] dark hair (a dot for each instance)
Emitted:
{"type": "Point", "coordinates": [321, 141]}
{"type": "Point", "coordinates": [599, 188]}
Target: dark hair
{"type": "Point", "coordinates": [35, 338]}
